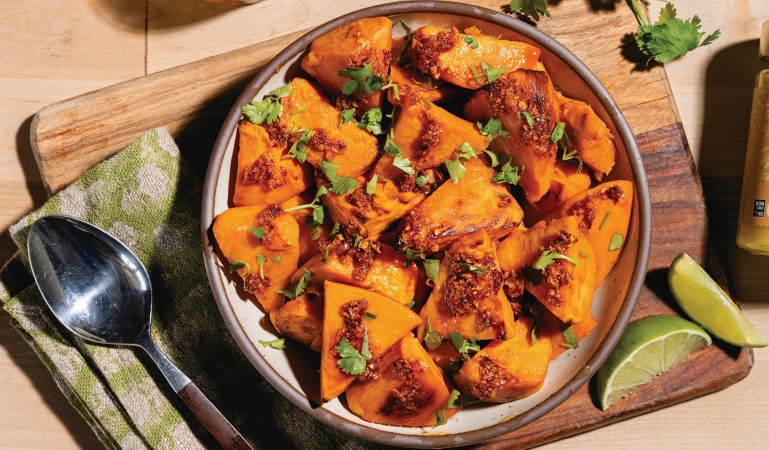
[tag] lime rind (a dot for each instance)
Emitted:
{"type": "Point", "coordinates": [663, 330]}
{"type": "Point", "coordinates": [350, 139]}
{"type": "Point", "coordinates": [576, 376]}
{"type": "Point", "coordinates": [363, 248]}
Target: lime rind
{"type": "Point", "coordinates": [649, 347]}
{"type": "Point", "coordinates": [703, 300]}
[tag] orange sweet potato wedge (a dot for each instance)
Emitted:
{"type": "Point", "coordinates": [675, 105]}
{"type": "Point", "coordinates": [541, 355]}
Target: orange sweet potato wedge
{"type": "Point", "coordinates": [364, 41]}
{"type": "Point", "coordinates": [553, 329]}
{"type": "Point", "coordinates": [407, 75]}
{"type": "Point", "coordinates": [506, 370]}
{"type": "Point", "coordinates": [524, 101]}
{"type": "Point", "coordinates": [565, 286]}
{"type": "Point", "coordinates": [409, 391]}
{"type": "Point", "coordinates": [428, 135]}
{"type": "Point", "coordinates": [301, 320]}
{"type": "Point", "coordinates": [234, 230]}
{"type": "Point", "coordinates": [468, 297]}
{"type": "Point", "coordinates": [265, 175]}
{"type": "Point", "coordinates": [375, 211]}
{"type": "Point", "coordinates": [307, 108]}
{"type": "Point", "coordinates": [460, 59]}
{"type": "Point", "coordinates": [588, 134]}
{"type": "Point", "coordinates": [370, 265]}
{"type": "Point", "coordinates": [357, 316]}
{"type": "Point", "coordinates": [453, 210]}
{"type": "Point", "coordinates": [605, 211]}
{"type": "Point", "coordinates": [567, 182]}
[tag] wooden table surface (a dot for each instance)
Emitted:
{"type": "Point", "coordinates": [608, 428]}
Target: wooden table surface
{"type": "Point", "coordinates": [69, 47]}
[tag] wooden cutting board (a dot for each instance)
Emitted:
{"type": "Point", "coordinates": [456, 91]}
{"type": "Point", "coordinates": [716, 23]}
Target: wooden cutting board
{"type": "Point", "coordinates": [192, 101]}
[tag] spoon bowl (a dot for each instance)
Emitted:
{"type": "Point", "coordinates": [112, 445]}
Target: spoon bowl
{"type": "Point", "coordinates": [100, 290]}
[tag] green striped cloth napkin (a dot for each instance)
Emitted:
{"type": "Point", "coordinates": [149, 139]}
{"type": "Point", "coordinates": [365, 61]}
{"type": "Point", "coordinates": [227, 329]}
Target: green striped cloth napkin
{"type": "Point", "coordinates": [147, 197]}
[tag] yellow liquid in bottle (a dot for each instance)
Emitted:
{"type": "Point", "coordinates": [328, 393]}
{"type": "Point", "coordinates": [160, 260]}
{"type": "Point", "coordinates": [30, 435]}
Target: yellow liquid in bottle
{"type": "Point", "coordinates": [753, 222]}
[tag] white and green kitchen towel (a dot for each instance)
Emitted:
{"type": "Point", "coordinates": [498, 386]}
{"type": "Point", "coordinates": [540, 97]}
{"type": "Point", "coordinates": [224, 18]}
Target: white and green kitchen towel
{"type": "Point", "coordinates": [148, 198]}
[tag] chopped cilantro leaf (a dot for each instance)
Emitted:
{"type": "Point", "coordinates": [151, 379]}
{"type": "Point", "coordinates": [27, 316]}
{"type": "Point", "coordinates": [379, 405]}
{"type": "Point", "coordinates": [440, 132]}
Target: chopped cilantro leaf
{"type": "Point", "coordinates": [235, 264]}
{"type": "Point", "coordinates": [471, 42]}
{"type": "Point", "coordinates": [557, 133]}
{"type": "Point", "coordinates": [451, 402]}
{"type": "Point", "coordinates": [508, 174]}
{"type": "Point", "coordinates": [346, 116]}
{"type": "Point", "coordinates": [492, 129]}
{"type": "Point", "coordinates": [421, 180]}
{"type": "Point", "coordinates": [474, 269]}
{"type": "Point", "coordinates": [261, 260]}
{"type": "Point", "coordinates": [298, 148]}
{"type": "Point", "coordinates": [298, 288]}
{"type": "Point", "coordinates": [257, 232]}
{"type": "Point", "coordinates": [403, 164]}
{"type": "Point", "coordinates": [493, 158]}
{"type": "Point", "coordinates": [369, 316]}
{"type": "Point", "coordinates": [277, 259]}
{"type": "Point", "coordinates": [571, 338]}
{"type": "Point", "coordinates": [362, 80]}
{"type": "Point", "coordinates": [530, 8]}
{"type": "Point", "coordinates": [371, 185]}
{"type": "Point", "coordinates": [492, 73]}
{"type": "Point", "coordinates": [402, 60]}
{"type": "Point", "coordinates": [277, 344]}
{"type": "Point", "coordinates": [529, 119]}
{"type": "Point", "coordinates": [339, 185]}
{"type": "Point", "coordinates": [464, 346]}
{"type": "Point", "coordinates": [269, 109]}
{"type": "Point", "coordinates": [455, 167]}
{"type": "Point", "coordinates": [616, 242]}
{"type": "Point", "coordinates": [432, 267]}
{"type": "Point", "coordinates": [432, 338]}
{"type": "Point", "coordinates": [547, 257]}
{"type": "Point", "coordinates": [350, 360]}
{"type": "Point", "coordinates": [604, 221]}
{"type": "Point", "coordinates": [371, 121]}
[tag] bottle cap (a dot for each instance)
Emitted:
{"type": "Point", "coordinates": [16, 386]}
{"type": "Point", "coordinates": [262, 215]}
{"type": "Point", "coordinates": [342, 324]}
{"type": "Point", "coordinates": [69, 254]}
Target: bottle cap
{"type": "Point", "coordinates": [763, 45]}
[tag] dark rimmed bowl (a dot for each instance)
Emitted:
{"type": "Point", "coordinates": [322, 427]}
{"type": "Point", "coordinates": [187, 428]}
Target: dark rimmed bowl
{"type": "Point", "coordinates": [293, 372]}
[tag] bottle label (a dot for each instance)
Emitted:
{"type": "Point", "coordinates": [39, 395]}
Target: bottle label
{"type": "Point", "coordinates": [755, 182]}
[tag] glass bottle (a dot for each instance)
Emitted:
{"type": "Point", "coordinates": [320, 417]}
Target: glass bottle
{"type": "Point", "coordinates": [753, 221]}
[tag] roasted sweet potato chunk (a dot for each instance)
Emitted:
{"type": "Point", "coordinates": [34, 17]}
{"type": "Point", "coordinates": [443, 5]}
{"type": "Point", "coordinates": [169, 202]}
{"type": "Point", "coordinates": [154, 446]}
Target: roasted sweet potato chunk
{"type": "Point", "coordinates": [474, 203]}
{"type": "Point", "coordinates": [369, 323]}
{"type": "Point", "coordinates": [468, 297]}
{"type": "Point", "coordinates": [506, 370]}
{"type": "Point", "coordinates": [567, 182]}
{"type": "Point", "coordinates": [309, 120]}
{"type": "Point", "coordinates": [524, 100]}
{"type": "Point", "coordinates": [405, 74]}
{"type": "Point", "coordinates": [369, 265]}
{"type": "Point", "coordinates": [265, 175]}
{"type": "Point", "coordinates": [309, 234]}
{"type": "Point", "coordinates": [558, 263]}
{"type": "Point", "coordinates": [267, 263]}
{"type": "Point", "coordinates": [463, 59]}
{"type": "Point", "coordinates": [428, 135]}
{"type": "Point", "coordinates": [365, 41]}
{"type": "Point", "coordinates": [301, 319]}
{"type": "Point", "coordinates": [605, 212]}
{"type": "Point", "coordinates": [409, 391]}
{"type": "Point", "coordinates": [588, 134]}
{"type": "Point", "coordinates": [374, 212]}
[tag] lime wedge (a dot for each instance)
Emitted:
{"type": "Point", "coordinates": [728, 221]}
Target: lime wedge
{"type": "Point", "coordinates": [705, 303]}
{"type": "Point", "coordinates": [648, 347]}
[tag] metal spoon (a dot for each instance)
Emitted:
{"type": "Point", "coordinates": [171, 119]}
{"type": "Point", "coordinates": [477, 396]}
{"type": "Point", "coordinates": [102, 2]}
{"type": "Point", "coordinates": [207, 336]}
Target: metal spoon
{"type": "Point", "coordinates": [100, 291]}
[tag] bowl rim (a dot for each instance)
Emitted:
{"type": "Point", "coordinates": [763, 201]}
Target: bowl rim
{"type": "Point", "coordinates": [641, 197]}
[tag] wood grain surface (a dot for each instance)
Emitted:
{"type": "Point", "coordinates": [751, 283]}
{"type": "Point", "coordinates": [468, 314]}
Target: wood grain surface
{"type": "Point", "coordinates": [193, 106]}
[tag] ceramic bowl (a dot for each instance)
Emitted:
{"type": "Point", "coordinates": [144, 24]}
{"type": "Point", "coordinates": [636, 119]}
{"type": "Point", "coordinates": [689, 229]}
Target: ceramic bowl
{"type": "Point", "coordinates": [294, 372]}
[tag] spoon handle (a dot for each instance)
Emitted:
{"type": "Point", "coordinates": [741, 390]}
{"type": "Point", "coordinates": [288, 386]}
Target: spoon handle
{"type": "Point", "coordinates": [204, 410]}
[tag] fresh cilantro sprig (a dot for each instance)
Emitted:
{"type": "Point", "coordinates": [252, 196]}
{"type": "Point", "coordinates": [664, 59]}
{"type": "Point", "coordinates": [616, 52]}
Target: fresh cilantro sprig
{"type": "Point", "coordinates": [298, 149]}
{"type": "Point", "coordinates": [257, 232]}
{"type": "Point", "coordinates": [432, 338]}
{"type": "Point", "coordinates": [261, 260]}
{"type": "Point", "coordinates": [508, 174]}
{"type": "Point", "coordinates": [492, 129]}
{"type": "Point", "coordinates": [399, 159]}
{"type": "Point", "coordinates": [371, 121]}
{"type": "Point", "coordinates": [474, 269]}
{"type": "Point", "coordinates": [350, 360]}
{"type": "Point", "coordinates": [464, 346]}
{"type": "Point", "coordinates": [669, 37]}
{"type": "Point", "coordinates": [571, 338]}
{"type": "Point", "coordinates": [547, 257]}
{"type": "Point", "coordinates": [451, 402]}
{"type": "Point", "coordinates": [339, 185]}
{"type": "Point", "coordinates": [561, 139]}
{"type": "Point", "coordinates": [363, 80]}
{"type": "Point", "coordinates": [277, 344]}
{"type": "Point", "coordinates": [530, 8]}
{"type": "Point", "coordinates": [269, 109]}
{"type": "Point", "coordinates": [318, 214]}
{"type": "Point", "coordinates": [298, 288]}
{"type": "Point", "coordinates": [455, 166]}
{"type": "Point", "coordinates": [491, 73]}
{"type": "Point", "coordinates": [432, 267]}
{"type": "Point", "coordinates": [236, 264]}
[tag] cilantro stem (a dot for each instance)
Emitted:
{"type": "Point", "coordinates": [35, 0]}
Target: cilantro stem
{"type": "Point", "coordinates": [638, 13]}
{"type": "Point", "coordinates": [296, 208]}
